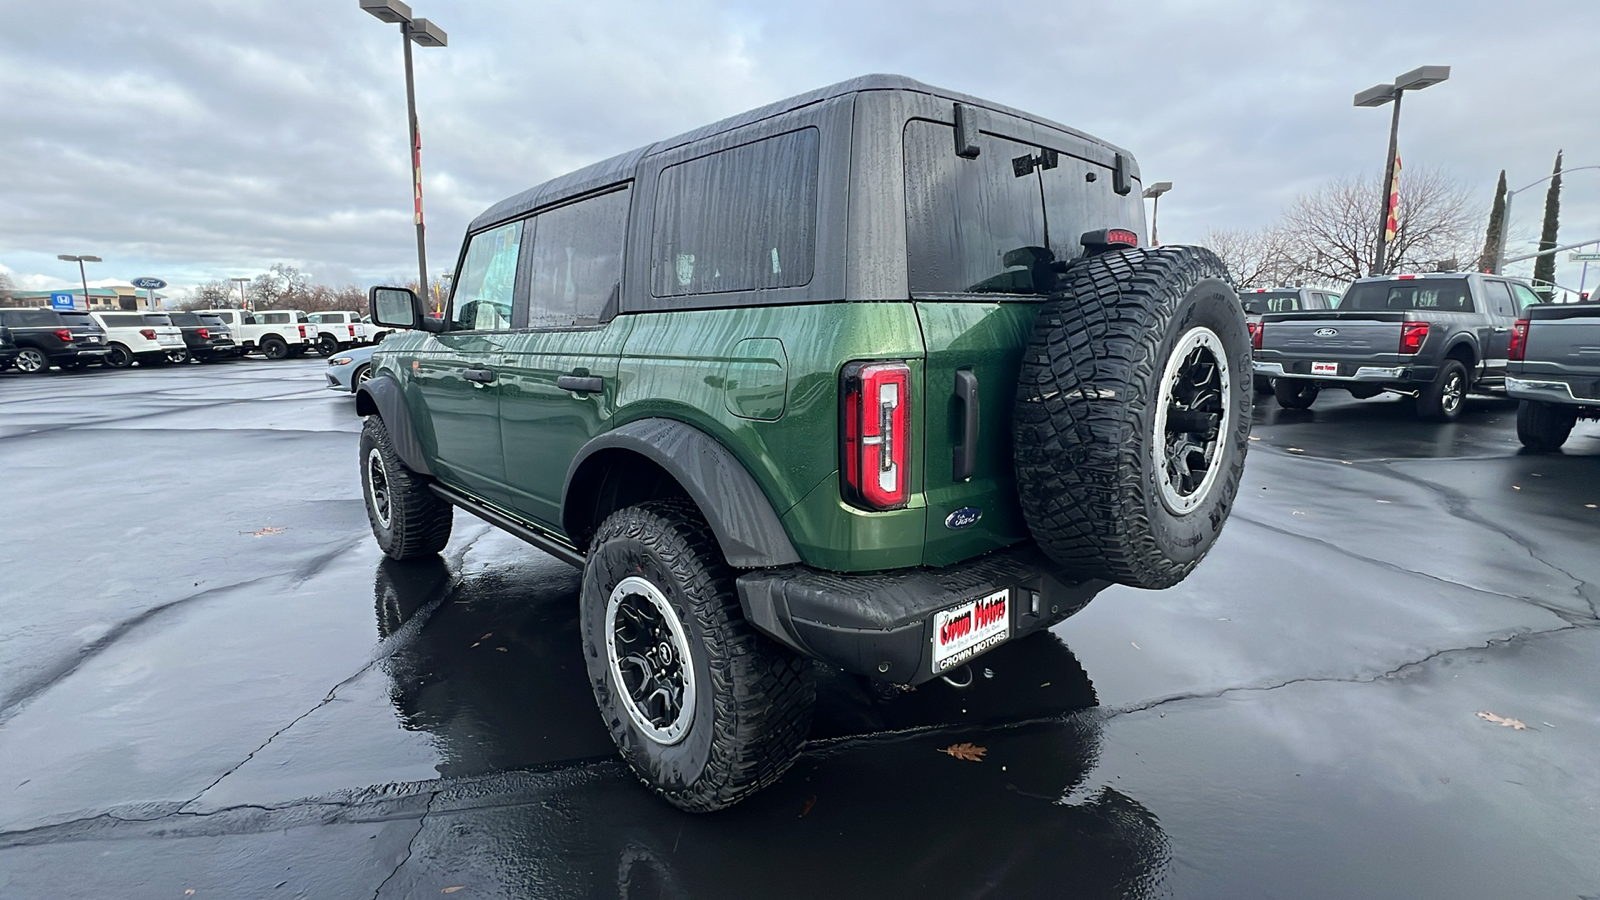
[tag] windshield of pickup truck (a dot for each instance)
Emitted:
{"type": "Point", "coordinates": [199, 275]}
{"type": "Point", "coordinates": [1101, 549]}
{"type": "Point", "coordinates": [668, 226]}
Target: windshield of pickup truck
{"type": "Point", "coordinates": [1441, 294]}
{"type": "Point", "coordinates": [1259, 302]}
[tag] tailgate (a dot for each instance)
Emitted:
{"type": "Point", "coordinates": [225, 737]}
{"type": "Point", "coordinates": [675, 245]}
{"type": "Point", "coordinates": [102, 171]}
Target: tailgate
{"type": "Point", "coordinates": [985, 339]}
{"type": "Point", "coordinates": [1562, 341]}
{"type": "Point", "coordinates": [1330, 336]}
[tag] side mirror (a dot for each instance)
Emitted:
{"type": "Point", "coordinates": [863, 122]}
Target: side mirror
{"type": "Point", "coordinates": [394, 307]}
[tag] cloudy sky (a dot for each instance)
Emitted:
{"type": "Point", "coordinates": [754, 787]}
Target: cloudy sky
{"type": "Point", "coordinates": [194, 140]}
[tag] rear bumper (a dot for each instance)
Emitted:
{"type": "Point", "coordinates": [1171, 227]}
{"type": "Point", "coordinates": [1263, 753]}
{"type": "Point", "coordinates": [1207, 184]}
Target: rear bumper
{"type": "Point", "coordinates": [1546, 391]}
{"type": "Point", "coordinates": [882, 625]}
{"type": "Point", "coordinates": [1378, 374]}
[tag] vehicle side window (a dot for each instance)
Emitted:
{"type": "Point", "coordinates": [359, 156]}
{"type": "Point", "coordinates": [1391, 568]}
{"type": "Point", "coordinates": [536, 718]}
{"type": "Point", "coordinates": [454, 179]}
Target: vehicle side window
{"type": "Point", "coordinates": [972, 226]}
{"type": "Point", "coordinates": [32, 318]}
{"type": "Point", "coordinates": [1333, 301]}
{"type": "Point", "coordinates": [484, 287]}
{"type": "Point", "coordinates": [740, 219]}
{"type": "Point", "coordinates": [301, 318]}
{"type": "Point", "coordinates": [577, 261]}
{"type": "Point", "coordinates": [1500, 298]}
{"type": "Point", "coordinates": [115, 320]}
{"type": "Point", "coordinates": [1525, 296]}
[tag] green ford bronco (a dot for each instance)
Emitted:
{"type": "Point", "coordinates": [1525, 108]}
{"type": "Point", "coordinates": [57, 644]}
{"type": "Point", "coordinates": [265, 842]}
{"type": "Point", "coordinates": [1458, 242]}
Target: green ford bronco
{"type": "Point", "coordinates": [879, 376]}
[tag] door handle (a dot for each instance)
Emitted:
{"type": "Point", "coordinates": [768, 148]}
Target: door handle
{"type": "Point", "coordinates": [478, 376]}
{"type": "Point", "coordinates": [581, 384]}
{"type": "Point", "coordinates": [1500, 330]}
{"type": "Point", "coordinates": [966, 452]}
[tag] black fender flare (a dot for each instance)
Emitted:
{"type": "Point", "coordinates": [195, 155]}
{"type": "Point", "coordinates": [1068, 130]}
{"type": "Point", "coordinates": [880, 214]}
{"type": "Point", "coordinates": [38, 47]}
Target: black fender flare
{"type": "Point", "coordinates": [743, 520]}
{"type": "Point", "coordinates": [383, 397]}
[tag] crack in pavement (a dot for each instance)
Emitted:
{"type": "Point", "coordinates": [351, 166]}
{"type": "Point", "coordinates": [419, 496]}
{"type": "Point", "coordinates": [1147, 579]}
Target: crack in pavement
{"type": "Point", "coordinates": [422, 822]}
{"type": "Point", "coordinates": [1565, 614]}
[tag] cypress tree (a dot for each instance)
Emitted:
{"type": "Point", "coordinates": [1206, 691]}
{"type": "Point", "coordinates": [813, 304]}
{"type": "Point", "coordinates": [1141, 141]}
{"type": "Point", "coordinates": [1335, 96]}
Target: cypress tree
{"type": "Point", "coordinates": [1544, 270]}
{"type": "Point", "coordinates": [1497, 225]}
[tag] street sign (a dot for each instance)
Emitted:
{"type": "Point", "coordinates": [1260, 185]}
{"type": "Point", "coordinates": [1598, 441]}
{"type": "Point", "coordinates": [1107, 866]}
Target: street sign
{"type": "Point", "coordinates": [1585, 257]}
{"type": "Point", "coordinates": [60, 301]}
{"type": "Point", "coordinates": [149, 284]}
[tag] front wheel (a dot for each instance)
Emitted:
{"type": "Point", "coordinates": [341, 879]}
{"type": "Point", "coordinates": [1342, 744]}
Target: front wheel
{"type": "Point", "coordinates": [1294, 393]}
{"type": "Point", "coordinates": [705, 709]}
{"type": "Point", "coordinates": [177, 357]}
{"type": "Point", "coordinates": [1133, 414]}
{"type": "Point", "coordinates": [408, 520]}
{"type": "Point", "coordinates": [362, 376]}
{"type": "Point", "coordinates": [1441, 399]}
{"type": "Point", "coordinates": [1544, 427]}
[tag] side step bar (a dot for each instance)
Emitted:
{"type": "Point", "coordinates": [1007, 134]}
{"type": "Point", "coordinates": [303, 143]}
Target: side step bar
{"type": "Point", "coordinates": [507, 524]}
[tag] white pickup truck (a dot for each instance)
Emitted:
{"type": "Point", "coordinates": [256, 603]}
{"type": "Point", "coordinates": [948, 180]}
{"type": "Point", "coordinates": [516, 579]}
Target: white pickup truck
{"type": "Point", "coordinates": [275, 334]}
{"type": "Point", "coordinates": [343, 330]}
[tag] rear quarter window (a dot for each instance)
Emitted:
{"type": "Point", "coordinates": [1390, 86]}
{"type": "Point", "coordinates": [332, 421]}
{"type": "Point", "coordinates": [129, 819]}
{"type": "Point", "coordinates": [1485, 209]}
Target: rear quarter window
{"type": "Point", "coordinates": [740, 219]}
{"type": "Point", "coordinates": [31, 318]}
{"type": "Point", "coordinates": [122, 320]}
{"type": "Point", "coordinates": [1426, 294]}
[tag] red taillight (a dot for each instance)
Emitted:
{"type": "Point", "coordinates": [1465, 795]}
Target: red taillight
{"type": "Point", "coordinates": [352, 331]}
{"type": "Point", "coordinates": [1519, 341]}
{"type": "Point", "coordinates": [1405, 277]}
{"type": "Point", "coordinates": [204, 333]}
{"type": "Point", "coordinates": [1255, 333]}
{"type": "Point", "coordinates": [1412, 334]}
{"type": "Point", "coordinates": [64, 335]}
{"type": "Point", "coordinates": [877, 434]}
{"type": "Point", "coordinates": [148, 333]}
{"type": "Point", "coordinates": [302, 331]}
{"type": "Point", "coordinates": [1122, 236]}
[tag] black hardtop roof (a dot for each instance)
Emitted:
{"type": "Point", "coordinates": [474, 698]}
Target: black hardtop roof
{"type": "Point", "coordinates": [620, 168]}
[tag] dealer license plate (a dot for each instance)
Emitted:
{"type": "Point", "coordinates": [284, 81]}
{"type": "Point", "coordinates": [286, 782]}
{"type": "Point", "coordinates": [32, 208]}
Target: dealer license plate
{"type": "Point", "coordinates": [964, 631]}
{"type": "Point", "coordinates": [1324, 368]}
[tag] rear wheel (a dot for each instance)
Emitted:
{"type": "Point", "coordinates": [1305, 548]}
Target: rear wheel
{"type": "Point", "coordinates": [274, 347]}
{"type": "Point", "coordinates": [1133, 414]}
{"type": "Point", "coordinates": [120, 357]}
{"type": "Point", "coordinates": [1294, 393]}
{"type": "Point", "coordinates": [327, 345]}
{"type": "Point", "coordinates": [32, 361]}
{"type": "Point", "coordinates": [705, 709]}
{"type": "Point", "coordinates": [1544, 427]}
{"type": "Point", "coordinates": [407, 518]}
{"type": "Point", "coordinates": [177, 357]}
{"type": "Point", "coordinates": [1442, 399]}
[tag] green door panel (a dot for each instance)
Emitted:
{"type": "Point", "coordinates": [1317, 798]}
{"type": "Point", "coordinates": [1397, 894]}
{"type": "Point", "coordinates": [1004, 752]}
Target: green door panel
{"type": "Point", "coordinates": [756, 381]}
{"type": "Point", "coordinates": [542, 427]}
{"type": "Point", "coordinates": [462, 416]}
{"type": "Point", "coordinates": [986, 338]}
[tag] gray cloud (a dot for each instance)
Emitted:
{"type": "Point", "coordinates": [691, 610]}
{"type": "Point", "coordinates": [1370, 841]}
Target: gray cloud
{"type": "Point", "coordinates": [193, 139]}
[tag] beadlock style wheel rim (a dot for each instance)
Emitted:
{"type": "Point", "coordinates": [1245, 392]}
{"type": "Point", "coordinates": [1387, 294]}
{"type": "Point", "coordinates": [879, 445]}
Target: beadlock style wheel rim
{"type": "Point", "coordinates": [649, 658]}
{"type": "Point", "coordinates": [378, 486]}
{"type": "Point", "coordinates": [1194, 412]}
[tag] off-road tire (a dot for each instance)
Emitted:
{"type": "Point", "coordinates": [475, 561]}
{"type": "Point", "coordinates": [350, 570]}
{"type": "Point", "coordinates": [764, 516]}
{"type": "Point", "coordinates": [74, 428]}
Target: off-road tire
{"type": "Point", "coordinates": [1544, 427]}
{"type": "Point", "coordinates": [1087, 411]}
{"type": "Point", "coordinates": [753, 700]}
{"type": "Point", "coordinates": [1295, 393]}
{"type": "Point", "coordinates": [32, 361]}
{"type": "Point", "coordinates": [1442, 399]}
{"type": "Point", "coordinates": [274, 347]}
{"type": "Point", "coordinates": [327, 345]}
{"type": "Point", "coordinates": [418, 519]}
{"type": "Point", "coordinates": [119, 357]}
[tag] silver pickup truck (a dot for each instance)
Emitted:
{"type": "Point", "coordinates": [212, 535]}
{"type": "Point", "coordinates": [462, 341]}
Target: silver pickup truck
{"type": "Point", "coordinates": [1554, 369]}
{"type": "Point", "coordinates": [1433, 337]}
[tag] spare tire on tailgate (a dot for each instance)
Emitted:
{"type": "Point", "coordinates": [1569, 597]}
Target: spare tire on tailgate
{"type": "Point", "coordinates": [1133, 415]}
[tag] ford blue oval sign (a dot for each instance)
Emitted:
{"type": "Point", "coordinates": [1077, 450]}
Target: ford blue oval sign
{"type": "Point", "coordinates": [149, 284]}
{"type": "Point", "coordinates": [963, 517]}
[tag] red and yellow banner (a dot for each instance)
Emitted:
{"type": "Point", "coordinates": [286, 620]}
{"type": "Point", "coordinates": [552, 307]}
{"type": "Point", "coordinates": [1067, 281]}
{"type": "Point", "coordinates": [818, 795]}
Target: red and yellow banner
{"type": "Point", "coordinates": [1392, 224]}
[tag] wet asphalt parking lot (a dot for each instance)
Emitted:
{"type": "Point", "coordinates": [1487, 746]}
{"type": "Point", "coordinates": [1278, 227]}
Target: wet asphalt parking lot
{"type": "Point", "coordinates": [213, 685]}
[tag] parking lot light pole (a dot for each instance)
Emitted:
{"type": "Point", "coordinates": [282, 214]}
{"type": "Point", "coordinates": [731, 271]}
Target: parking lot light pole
{"type": "Point", "coordinates": [1378, 95]}
{"type": "Point", "coordinates": [427, 34]}
{"type": "Point", "coordinates": [1505, 219]}
{"type": "Point", "coordinates": [244, 302]}
{"type": "Point", "coordinates": [82, 275]}
{"type": "Point", "coordinates": [1154, 192]}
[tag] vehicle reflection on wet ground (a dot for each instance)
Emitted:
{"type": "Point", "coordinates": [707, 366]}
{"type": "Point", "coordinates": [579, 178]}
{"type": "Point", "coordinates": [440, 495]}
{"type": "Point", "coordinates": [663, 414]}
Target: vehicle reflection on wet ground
{"type": "Point", "coordinates": [255, 704]}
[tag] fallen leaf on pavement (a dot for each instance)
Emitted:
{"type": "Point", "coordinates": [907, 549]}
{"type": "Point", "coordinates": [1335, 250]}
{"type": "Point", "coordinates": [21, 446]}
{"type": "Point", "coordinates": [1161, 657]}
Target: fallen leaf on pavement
{"type": "Point", "coordinates": [1502, 721]}
{"type": "Point", "coordinates": [967, 751]}
{"type": "Point", "coordinates": [1294, 449]}
{"type": "Point", "coordinates": [265, 531]}
{"type": "Point", "coordinates": [1516, 487]}
{"type": "Point", "coordinates": [1296, 512]}
{"type": "Point", "coordinates": [1589, 505]}
{"type": "Point", "coordinates": [810, 802]}
{"type": "Point", "coordinates": [452, 889]}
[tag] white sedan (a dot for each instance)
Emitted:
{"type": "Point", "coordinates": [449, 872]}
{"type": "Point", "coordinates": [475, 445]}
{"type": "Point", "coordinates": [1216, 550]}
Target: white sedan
{"type": "Point", "coordinates": [348, 370]}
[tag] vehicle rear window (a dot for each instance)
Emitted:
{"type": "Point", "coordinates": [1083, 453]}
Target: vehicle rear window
{"type": "Point", "coordinates": [72, 319]}
{"type": "Point", "coordinates": [34, 318]}
{"type": "Point", "coordinates": [1259, 302]}
{"type": "Point", "coordinates": [122, 320]}
{"type": "Point", "coordinates": [157, 319]}
{"type": "Point", "coordinates": [1441, 294]}
{"type": "Point", "coordinates": [184, 320]}
{"type": "Point", "coordinates": [740, 219]}
{"type": "Point", "coordinates": [212, 320]}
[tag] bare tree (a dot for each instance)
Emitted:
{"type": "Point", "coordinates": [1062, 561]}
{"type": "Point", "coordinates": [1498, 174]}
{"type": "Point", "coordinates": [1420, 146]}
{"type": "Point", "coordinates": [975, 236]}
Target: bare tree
{"type": "Point", "coordinates": [209, 295]}
{"type": "Point", "coordinates": [1332, 231]}
{"type": "Point", "coordinates": [1255, 259]}
{"type": "Point", "coordinates": [6, 285]}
